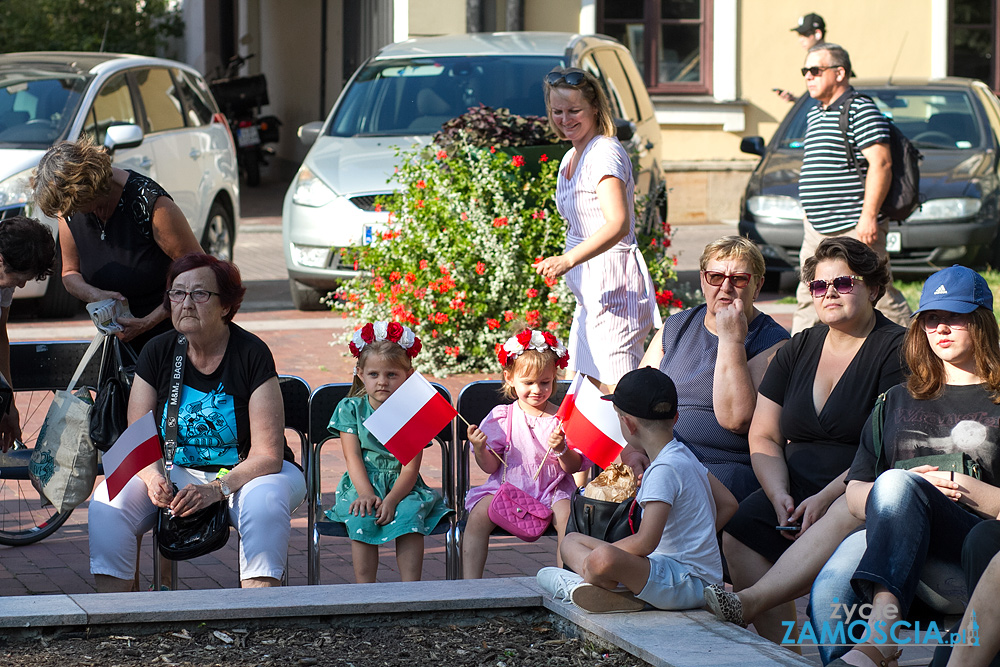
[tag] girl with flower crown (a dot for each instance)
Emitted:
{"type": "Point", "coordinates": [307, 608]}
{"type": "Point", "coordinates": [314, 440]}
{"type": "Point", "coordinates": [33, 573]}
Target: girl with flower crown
{"type": "Point", "coordinates": [522, 443]}
{"type": "Point", "coordinates": [378, 498]}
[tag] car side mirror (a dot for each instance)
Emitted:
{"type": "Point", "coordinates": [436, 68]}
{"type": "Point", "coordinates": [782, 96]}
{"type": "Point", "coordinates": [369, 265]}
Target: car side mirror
{"type": "Point", "coordinates": [309, 132]}
{"type": "Point", "coordinates": [122, 136]}
{"type": "Point", "coordinates": [624, 129]}
{"type": "Point", "coordinates": [753, 145]}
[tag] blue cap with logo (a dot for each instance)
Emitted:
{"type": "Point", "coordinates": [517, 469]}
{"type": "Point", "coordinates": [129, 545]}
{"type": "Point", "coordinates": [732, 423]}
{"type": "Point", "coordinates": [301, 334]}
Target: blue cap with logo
{"type": "Point", "coordinates": [957, 289]}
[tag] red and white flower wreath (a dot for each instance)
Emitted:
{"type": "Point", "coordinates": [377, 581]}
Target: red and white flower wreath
{"type": "Point", "coordinates": [531, 339]}
{"type": "Point", "coordinates": [384, 330]}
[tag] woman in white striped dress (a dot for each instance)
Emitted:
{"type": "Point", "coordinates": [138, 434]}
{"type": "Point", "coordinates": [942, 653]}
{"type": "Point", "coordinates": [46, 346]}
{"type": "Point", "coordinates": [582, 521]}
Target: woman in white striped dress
{"type": "Point", "coordinates": [616, 304]}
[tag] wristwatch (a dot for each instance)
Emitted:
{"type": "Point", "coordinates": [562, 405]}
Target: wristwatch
{"type": "Point", "coordinates": [224, 487]}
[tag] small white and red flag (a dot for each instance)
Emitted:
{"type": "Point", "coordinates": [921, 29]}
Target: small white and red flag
{"type": "Point", "coordinates": [410, 418]}
{"type": "Point", "coordinates": [590, 423]}
{"type": "Point", "coordinates": [134, 449]}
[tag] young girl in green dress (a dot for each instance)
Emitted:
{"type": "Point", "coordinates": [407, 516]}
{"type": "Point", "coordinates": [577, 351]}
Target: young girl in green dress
{"type": "Point", "coordinates": [378, 498]}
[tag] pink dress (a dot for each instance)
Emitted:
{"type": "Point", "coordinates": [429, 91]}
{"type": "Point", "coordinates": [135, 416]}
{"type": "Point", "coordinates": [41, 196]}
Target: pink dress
{"type": "Point", "coordinates": [616, 302]}
{"type": "Point", "coordinates": [524, 454]}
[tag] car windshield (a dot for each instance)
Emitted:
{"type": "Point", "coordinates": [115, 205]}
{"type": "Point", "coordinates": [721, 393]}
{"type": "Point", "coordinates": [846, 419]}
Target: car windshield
{"type": "Point", "coordinates": [930, 118]}
{"type": "Point", "coordinates": [35, 108]}
{"type": "Point", "coordinates": [418, 95]}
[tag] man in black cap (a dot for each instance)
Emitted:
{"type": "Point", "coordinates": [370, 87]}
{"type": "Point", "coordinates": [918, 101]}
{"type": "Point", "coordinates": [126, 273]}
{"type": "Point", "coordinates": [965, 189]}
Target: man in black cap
{"type": "Point", "coordinates": [674, 554]}
{"type": "Point", "coordinates": [812, 31]}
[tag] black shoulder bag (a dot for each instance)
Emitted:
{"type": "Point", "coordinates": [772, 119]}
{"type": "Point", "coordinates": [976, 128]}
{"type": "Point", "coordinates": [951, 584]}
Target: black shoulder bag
{"type": "Point", "coordinates": [207, 530]}
{"type": "Point", "coordinates": [603, 519]}
{"type": "Point", "coordinates": [109, 414]}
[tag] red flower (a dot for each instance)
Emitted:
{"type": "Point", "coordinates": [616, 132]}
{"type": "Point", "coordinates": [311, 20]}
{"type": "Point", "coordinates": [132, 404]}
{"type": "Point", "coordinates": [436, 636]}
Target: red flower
{"type": "Point", "coordinates": [394, 331]}
{"type": "Point", "coordinates": [550, 340]}
{"type": "Point", "coordinates": [664, 297]}
{"type": "Point", "coordinates": [538, 215]}
{"type": "Point", "coordinates": [493, 324]}
{"type": "Point", "coordinates": [378, 283]}
{"type": "Point", "coordinates": [508, 315]}
{"type": "Point", "coordinates": [464, 216]}
{"type": "Point", "coordinates": [501, 354]}
{"type": "Point", "coordinates": [354, 349]}
{"type": "Point", "coordinates": [517, 160]}
{"type": "Point", "coordinates": [439, 318]}
{"type": "Point", "coordinates": [553, 298]}
{"type": "Point", "coordinates": [442, 155]}
{"type": "Point", "coordinates": [420, 203]}
{"type": "Point", "coordinates": [394, 276]}
{"type": "Point", "coordinates": [563, 361]}
{"type": "Point", "coordinates": [532, 317]}
{"type": "Point", "coordinates": [421, 184]}
{"type": "Point", "coordinates": [500, 222]}
{"type": "Point", "coordinates": [434, 333]}
{"type": "Point", "coordinates": [444, 270]}
{"type": "Point", "coordinates": [480, 268]}
{"type": "Point", "coordinates": [423, 264]}
{"type": "Point", "coordinates": [493, 149]}
{"type": "Point", "coordinates": [531, 292]}
{"type": "Point", "coordinates": [550, 282]}
{"type": "Point", "coordinates": [524, 337]}
{"type": "Point", "coordinates": [453, 351]}
{"type": "Point", "coordinates": [410, 277]}
{"type": "Point", "coordinates": [378, 208]}
{"type": "Point", "coordinates": [368, 333]}
{"type": "Point", "coordinates": [544, 158]}
{"type": "Point", "coordinates": [415, 348]}
{"type": "Point", "coordinates": [419, 293]}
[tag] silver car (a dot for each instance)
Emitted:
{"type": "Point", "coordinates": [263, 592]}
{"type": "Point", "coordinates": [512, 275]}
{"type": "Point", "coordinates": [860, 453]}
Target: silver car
{"type": "Point", "coordinates": [167, 126]}
{"type": "Point", "coordinates": [400, 97]}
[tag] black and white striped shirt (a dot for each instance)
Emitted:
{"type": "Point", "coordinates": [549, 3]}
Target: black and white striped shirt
{"type": "Point", "coordinates": [829, 188]}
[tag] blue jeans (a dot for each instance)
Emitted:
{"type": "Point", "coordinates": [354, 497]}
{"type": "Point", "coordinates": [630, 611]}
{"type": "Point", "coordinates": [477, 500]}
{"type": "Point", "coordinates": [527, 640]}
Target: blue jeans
{"type": "Point", "coordinates": [908, 523]}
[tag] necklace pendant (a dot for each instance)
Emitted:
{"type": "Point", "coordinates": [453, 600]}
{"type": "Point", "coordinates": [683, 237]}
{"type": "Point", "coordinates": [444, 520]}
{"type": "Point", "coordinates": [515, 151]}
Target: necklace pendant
{"type": "Point", "coordinates": [102, 234]}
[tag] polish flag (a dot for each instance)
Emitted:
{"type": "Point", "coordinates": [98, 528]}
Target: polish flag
{"type": "Point", "coordinates": [135, 449]}
{"type": "Point", "coordinates": [591, 423]}
{"type": "Point", "coordinates": [410, 418]}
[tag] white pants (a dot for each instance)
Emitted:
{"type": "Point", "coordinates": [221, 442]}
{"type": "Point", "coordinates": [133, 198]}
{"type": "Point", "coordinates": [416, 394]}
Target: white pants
{"type": "Point", "coordinates": [260, 511]}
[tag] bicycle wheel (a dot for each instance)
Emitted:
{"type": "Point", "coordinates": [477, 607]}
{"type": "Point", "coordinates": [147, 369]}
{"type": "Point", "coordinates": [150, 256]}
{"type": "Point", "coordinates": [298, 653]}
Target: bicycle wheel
{"type": "Point", "coordinates": [25, 516]}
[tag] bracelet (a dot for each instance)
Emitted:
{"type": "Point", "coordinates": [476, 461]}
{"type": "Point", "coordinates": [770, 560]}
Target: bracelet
{"type": "Point", "coordinates": [559, 454]}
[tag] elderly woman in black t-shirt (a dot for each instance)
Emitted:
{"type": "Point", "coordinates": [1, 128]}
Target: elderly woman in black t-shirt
{"type": "Point", "coordinates": [813, 402]}
{"type": "Point", "coordinates": [118, 231]}
{"type": "Point", "coordinates": [230, 435]}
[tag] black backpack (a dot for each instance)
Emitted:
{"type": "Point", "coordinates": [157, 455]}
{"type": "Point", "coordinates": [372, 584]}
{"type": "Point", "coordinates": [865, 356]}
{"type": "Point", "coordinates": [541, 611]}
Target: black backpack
{"type": "Point", "coordinates": [903, 197]}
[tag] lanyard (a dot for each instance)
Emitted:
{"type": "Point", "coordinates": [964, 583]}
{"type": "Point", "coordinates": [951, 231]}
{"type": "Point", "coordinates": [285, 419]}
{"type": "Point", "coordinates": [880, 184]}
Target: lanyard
{"type": "Point", "coordinates": [173, 402]}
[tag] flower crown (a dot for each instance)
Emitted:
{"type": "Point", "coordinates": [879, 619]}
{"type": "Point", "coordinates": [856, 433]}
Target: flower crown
{"type": "Point", "coordinates": [531, 339]}
{"type": "Point", "coordinates": [383, 330]}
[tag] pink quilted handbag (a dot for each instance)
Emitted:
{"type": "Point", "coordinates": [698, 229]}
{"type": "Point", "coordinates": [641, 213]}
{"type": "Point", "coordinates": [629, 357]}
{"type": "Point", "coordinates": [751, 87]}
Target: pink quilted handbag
{"type": "Point", "coordinates": [518, 513]}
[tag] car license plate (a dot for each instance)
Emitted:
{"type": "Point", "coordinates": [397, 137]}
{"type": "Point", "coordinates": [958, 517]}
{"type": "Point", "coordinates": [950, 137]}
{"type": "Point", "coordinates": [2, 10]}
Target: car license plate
{"type": "Point", "coordinates": [893, 242]}
{"type": "Point", "coordinates": [367, 235]}
{"type": "Point", "coordinates": [248, 136]}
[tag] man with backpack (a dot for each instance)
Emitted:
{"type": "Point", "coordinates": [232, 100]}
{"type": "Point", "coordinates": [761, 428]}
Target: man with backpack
{"type": "Point", "coordinates": [846, 172]}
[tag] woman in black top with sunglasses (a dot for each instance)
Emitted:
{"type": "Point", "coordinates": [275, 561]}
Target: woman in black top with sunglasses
{"type": "Point", "coordinates": [812, 405]}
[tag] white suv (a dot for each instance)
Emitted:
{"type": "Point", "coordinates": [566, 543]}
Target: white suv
{"type": "Point", "coordinates": [176, 136]}
{"type": "Point", "coordinates": [401, 96]}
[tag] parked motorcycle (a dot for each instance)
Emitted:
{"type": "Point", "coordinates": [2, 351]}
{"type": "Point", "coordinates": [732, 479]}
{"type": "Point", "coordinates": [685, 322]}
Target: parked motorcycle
{"type": "Point", "coordinates": [240, 98]}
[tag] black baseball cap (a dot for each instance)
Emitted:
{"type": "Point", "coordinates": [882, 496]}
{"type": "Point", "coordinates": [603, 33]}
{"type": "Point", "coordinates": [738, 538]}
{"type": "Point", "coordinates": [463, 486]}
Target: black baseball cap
{"type": "Point", "coordinates": [809, 24]}
{"type": "Point", "coordinates": [646, 393]}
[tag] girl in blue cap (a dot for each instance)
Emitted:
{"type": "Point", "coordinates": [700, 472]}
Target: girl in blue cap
{"type": "Point", "coordinates": [925, 473]}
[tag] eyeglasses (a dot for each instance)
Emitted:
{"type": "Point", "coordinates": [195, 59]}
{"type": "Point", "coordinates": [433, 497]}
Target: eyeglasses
{"type": "Point", "coordinates": [932, 320]}
{"type": "Point", "coordinates": [573, 78]}
{"type": "Point", "coordinates": [816, 71]}
{"type": "Point", "coordinates": [842, 284]}
{"type": "Point", "coordinates": [198, 295]}
{"type": "Point", "coordinates": [737, 280]}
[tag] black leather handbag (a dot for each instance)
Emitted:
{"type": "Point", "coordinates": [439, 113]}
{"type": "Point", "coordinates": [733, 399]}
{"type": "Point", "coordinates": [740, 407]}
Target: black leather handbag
{"type": "Point", "coordinates": [181, 538]}
{"type": "Point", "coordinates": [605, 520]}
{"type": "Point", "coordinates": [109, 414]}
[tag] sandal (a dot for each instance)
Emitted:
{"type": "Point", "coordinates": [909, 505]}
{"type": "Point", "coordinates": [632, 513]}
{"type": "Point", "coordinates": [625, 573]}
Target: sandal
{"type": "Point", "coordinates": [871, 652]}
{"type": "Point", "coordinates": [725, 605]}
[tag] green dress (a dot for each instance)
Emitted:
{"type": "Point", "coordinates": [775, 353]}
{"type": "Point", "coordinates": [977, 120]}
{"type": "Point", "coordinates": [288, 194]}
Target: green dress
{"type": "Point", "coordinates": [418, 512]}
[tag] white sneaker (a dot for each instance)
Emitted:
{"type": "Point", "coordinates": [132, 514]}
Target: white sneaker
{"type": "Point", "coordinates": [557, 582]}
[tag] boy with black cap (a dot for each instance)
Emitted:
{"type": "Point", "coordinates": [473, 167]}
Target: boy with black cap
{"type": "Point", "coordinates": [675, 552]}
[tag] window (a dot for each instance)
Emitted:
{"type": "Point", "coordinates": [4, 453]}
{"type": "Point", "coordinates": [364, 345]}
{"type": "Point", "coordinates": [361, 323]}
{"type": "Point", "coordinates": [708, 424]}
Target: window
{"type": "Point", "coordinates": [113, 106]}
{"type": "Point", "coordinates": [160, 99]}
{"type": "Point", "coordinates": [669, 39]}
{"type": "Point", "coordinates": [972, 41]}
{"type": "Point", "coordinates": [197, 101]}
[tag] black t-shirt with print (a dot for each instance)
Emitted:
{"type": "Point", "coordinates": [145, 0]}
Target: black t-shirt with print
{"type": "Point", "coordinates": [962, 419]}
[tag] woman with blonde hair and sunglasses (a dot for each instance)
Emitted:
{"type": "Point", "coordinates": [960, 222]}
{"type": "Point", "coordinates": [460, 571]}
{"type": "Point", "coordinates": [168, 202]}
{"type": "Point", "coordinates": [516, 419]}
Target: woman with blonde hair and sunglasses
{"type": "Point", "coordinates": [812, 404]}
{"type": "Point", "coordinates": [716, 354]}
{"type": "Point", "coordinates": [616, 303]}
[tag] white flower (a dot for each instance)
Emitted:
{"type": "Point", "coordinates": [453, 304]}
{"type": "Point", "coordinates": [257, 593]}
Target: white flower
{"type": "Point", "coordinates": [381, 329]}
{"type": "Point", "coordinates": [537, 341]}
{"type": "Point", "coordinates": [512, 346]}
{"type": "Point", "coordinates": [358, 340]}
{"type": "Point", "coordinates": [406, 340]}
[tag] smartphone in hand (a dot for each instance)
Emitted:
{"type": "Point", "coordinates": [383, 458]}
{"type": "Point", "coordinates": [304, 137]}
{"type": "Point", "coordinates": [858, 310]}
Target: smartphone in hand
{"type": "Point", "coordinates": [791, 529]}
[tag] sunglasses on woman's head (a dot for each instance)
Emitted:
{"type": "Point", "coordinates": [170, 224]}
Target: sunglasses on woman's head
{"type": "Point", "coordinates": [843, 285]}
{"type": "Point", "coordinates": [569, 78]}
{"type": "Point", "coordinates": [737, 280]}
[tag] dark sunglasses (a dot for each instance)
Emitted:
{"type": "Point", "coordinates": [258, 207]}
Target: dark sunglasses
{"type": "Point", "coordinates": [816, 71]}
{"type": "Point", "coordinates": [569, 78]}
{"type": "Point", "coordinates": [738, 280]}
{"type": "Point", "coordinates": [843, 285]}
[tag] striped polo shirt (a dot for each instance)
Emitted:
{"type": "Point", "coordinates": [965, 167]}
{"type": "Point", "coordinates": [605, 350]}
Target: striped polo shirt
{"type": "Point", "coordinates": [831, 193]}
